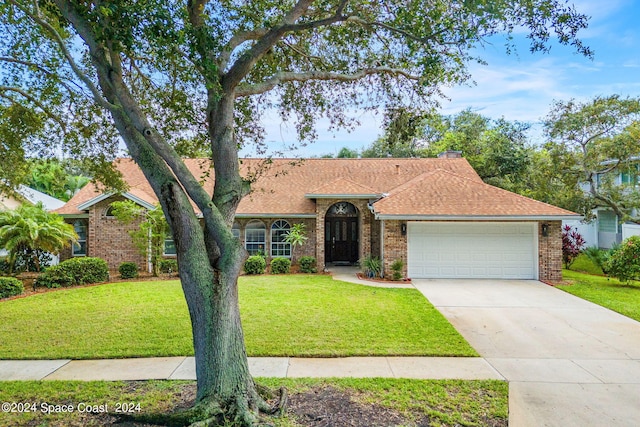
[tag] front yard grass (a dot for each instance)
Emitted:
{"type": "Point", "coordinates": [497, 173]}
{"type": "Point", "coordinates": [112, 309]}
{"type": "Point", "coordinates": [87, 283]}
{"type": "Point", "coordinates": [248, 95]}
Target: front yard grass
{"type": "Point", "coordinates": [442, 403]}
{"type": "Point", "coordinates": [296, 315]}
{"type": "Point", "coordinates": [609, 293]}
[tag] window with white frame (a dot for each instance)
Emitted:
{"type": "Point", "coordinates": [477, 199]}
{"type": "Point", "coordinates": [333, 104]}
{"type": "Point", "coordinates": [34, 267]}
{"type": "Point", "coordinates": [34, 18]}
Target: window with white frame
{"type": "Point", "coordinates": [279, 231]}
{"type": "Point", "coordinates": [235, 230]}
{"type": "Point", "coordinates": [255, 234]}
{"type": "Point", "coordinates": [169, 247]}
{"type": "Point", "coordinates": [80, 246]}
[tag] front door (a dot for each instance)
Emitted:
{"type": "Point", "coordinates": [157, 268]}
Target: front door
{"type": "Point", "coordinates": [341, 234]}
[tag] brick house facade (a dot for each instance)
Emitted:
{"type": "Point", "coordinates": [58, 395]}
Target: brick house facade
{"type": "Point", "coordinates": [354, 208]}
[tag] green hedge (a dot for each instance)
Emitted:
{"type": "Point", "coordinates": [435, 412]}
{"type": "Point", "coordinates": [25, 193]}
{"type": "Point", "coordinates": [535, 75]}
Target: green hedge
{"type": "Point", "coordinates": [75, 271]}
{"type": "Point", "coordinates": [280, 266]}
{"type": "Point", "coordinates": [308, 264]}
{"type": "Point", "coordinates": [255, 264]}
{"type": "Point", "coordinates": [10, 286]}
{"type": "Point", "coordinates": [128, 270]}
{"type": "Point", "coordinates": [168, 266]}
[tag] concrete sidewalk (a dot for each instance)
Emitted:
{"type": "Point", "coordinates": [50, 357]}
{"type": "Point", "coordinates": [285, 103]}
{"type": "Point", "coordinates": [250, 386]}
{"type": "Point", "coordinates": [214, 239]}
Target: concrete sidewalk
{"type": "Point", "coordinates": [183, 368]}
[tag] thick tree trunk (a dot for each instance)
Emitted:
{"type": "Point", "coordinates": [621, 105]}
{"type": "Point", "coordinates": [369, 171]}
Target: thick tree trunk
{"type": "Point", "coordinates": [225, 387]}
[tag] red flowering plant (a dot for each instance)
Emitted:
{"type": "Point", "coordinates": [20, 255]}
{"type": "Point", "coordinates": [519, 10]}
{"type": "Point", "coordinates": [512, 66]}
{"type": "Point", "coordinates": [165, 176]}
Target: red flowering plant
{"type": "Point", "coordinates": [624, 262]}
{"type": "Point", "coordinates": [572, 245]}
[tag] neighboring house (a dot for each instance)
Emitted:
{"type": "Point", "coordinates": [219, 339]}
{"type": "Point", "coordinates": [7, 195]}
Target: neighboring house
{"type": "Point", "coordinates": [607, 230]}
{"type": "Point", "coordinates": [29, 195]}
{"type": "Point", "coordinates": [26, 194]}
{"type": "Point", "coordinates": [436, 215]}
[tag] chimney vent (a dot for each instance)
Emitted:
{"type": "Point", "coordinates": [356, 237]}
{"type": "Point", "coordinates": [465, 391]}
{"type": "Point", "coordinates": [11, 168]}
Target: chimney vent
{"type": "Point", "coordinates": [450, 154]}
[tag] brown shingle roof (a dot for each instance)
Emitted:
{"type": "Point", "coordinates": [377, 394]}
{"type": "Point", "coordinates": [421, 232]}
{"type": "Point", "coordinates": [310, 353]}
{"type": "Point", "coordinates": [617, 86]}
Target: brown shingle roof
{"type": "Point", "coordinates": [441, 194]}
{"type": "Point", "coordinates": [415, 186]}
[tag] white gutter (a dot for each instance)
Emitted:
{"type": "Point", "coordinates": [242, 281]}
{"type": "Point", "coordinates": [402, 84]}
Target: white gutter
{"type": "Point", "coordinates": [402, 217]}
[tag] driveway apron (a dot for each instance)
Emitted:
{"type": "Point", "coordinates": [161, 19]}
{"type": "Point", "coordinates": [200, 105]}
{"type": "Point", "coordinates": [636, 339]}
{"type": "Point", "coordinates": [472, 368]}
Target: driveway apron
{"type": "Point", "coordinates": [568, 362]}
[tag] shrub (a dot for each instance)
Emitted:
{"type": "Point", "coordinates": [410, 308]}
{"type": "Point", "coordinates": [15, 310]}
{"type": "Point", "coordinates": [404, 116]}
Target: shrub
{"type": "Point", "coordinates": [572, 245]}
{"type": "Point", "coordinates": [87, 270]}
{"type": "Point", "coordinates": [280, 266]}
{"type": "Point", "coordinates": [75, 271]}
{"type": "Point", "coordinates": [308, 264]}
{"type": "Point", "coordinates": [55, 277]}
{"type": "Point", "coordinates": [10, 286]}
{"type": "Point", "coordinates": [128, 270]}
{"type": "Point", "coordinates": [624, 262]}
{"type": "Point", "coordinates": [168, 266]}
{"type": "Point", "coordinates": [255, 264]}
{"type": "Point", "coordinates": [598, 256]}
{"type": "Point", "coordinates": [371, 266]}
{"type": "Point", "coordinates": [396, 267]}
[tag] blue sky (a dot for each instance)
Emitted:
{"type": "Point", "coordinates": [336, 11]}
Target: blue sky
{"type": "Point", "coordinates": [522, 86]}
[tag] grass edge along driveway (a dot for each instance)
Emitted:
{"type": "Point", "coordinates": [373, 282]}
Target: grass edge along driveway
{"type": "Point", "coordinates": [609, 293]}
{"type": "Point", "coordinates": [290, 315]}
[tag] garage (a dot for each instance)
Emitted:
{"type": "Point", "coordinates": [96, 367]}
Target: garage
{"type": "Point", "coordinates": [480, 250]}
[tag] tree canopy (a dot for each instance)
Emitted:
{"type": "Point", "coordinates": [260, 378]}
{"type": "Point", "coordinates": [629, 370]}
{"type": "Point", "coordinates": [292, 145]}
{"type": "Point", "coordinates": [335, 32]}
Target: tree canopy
{"type": "Point", "coordinates": [171, 78]}
{"type": "Point", "coordinates": [595, 146]}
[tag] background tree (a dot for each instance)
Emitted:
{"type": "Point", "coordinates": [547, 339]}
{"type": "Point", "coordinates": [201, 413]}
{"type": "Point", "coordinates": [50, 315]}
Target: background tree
{"type": "Point", "coordinates": [497, 149]}
{"type": "Point", "coordinates": [152, 233]}
{"type": "Point", "coordinates": [31, 230]}
{"type": "Point", "coordinates": [55, 178]}
{"type": "Point", "coordinates": [347, 153]}
{"type": "Point", "coordinates": [402, 136]}
{"type": "Point", "coordinates": [150, 73]}
{"type": "Point", "coordinates": [592, 143]}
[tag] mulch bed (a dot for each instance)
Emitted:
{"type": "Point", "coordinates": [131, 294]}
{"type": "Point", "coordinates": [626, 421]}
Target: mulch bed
{"type": "Point", "coordinates": [320, 406]}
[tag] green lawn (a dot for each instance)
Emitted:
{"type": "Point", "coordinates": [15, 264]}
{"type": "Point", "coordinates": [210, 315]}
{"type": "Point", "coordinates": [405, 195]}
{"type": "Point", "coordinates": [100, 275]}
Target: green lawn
{"type": "Point", "coordinates": [293, 315]}
{"type": "Point", "coordinates": [610, 293]}
{"type": "Point", "coordinates": [444, 403]}
{"type": "Point", "coordinates": [584, 265]}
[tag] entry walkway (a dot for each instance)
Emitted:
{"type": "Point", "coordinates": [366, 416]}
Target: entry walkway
{"type": "Point", "coordinates": [568, 362]}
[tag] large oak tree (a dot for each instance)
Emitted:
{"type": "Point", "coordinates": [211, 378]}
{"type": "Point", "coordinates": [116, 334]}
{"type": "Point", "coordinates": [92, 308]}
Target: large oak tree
{"type": "Point", "coordinates": [591, 144]}
{"type": "Point", "coordinates": [173, 77]}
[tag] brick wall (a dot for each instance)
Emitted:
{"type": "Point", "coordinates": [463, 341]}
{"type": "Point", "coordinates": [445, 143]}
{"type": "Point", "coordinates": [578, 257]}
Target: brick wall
{"type": "Point", "coordinates": [550, 252]}
{"type": "Point", "coordinates": [110, 240]}
{"type": "Point", "coordinates": [395, 247]}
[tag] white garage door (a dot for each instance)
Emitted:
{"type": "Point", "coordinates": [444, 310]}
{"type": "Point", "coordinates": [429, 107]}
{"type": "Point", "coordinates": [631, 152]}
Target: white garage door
{"type": "Point", "coordinates": [472, 250]}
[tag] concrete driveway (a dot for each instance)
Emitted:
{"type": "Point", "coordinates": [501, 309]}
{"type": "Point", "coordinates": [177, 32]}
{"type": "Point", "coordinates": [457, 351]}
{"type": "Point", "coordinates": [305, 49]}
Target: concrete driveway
{"type": "Point", "coordinates": [569, 362]}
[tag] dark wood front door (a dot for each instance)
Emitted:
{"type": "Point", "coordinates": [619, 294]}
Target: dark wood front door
{"type": "Point", "coordinates": [341, 239]}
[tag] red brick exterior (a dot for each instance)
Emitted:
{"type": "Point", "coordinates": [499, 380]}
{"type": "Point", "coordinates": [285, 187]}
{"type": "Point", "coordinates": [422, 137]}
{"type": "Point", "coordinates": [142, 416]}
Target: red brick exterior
{"type": "Point", "coordinates": [109, 239]}
{"type": "Point", "coordinates": [395, 247]}
{"type": "Point", "coordinates": [550, 252]}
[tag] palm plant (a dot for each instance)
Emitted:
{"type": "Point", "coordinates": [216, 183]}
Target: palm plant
{"type": "Point", "coordinates": [31, 229]}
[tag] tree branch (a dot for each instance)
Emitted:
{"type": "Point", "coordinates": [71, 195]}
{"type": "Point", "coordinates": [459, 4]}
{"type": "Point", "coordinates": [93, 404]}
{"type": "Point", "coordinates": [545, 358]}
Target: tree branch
{"type": "Point", "coordinates": [245, 63]}
{"type": "Point", "coordinates": [42, 69]}
{"type": "Point", "coordinates": [30, 98]}
{"type": "Point", "coordinates": [37, 18]}
{"type": "Point", "coordinates": [285, 77]}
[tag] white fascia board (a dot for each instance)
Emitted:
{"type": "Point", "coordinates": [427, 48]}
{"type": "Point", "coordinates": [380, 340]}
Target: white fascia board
{"type": "Point", "coordinates": [478, 218]}
{"type": "Point", "coordinates": [341, 196]}
{"type": "Point", "coordinates": [274, 215]}
{"type": "Point", "coordinates": [74, 216]}
{"type": "Point", "coordinates": [86, 205]}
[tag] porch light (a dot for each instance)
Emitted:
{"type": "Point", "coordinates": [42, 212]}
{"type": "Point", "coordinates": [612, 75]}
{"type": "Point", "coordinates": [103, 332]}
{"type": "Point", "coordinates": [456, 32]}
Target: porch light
{"type": "Point", "coordinates": [545, 230]}
{"type": "Point", "coordinates": [403, 229]}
